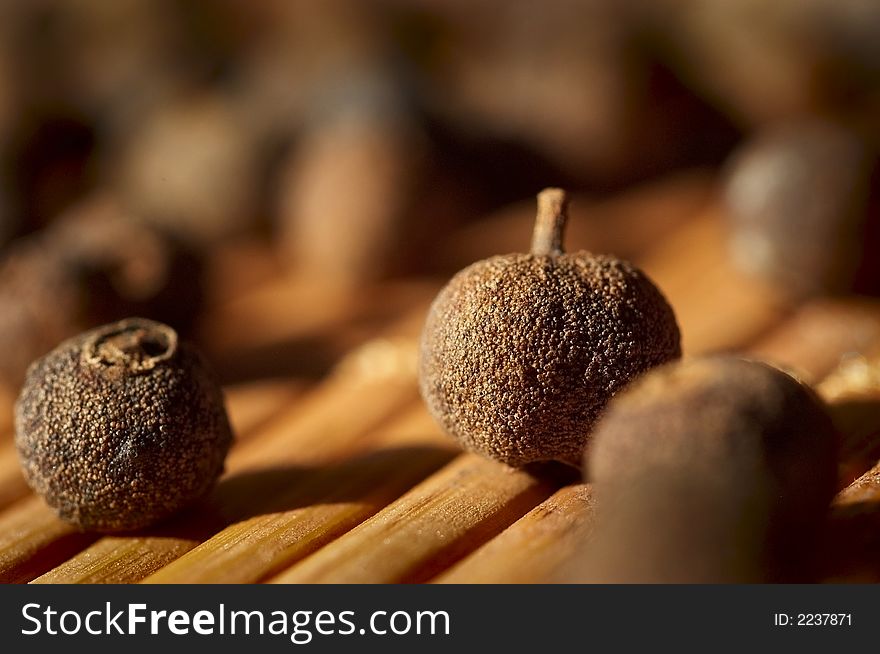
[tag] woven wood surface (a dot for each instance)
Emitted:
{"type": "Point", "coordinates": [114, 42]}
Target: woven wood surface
{"type": "Point", "coordinates": [339, 475]}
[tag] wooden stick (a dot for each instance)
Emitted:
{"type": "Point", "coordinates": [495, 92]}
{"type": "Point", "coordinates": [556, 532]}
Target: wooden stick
{"type": "Point", "coordinates": [33, 540]}
{"type": "Point", "coordinates": [366, 482]}
{"type": "Point", "coordinates": [332, 501]}
{"type": "Point", "coordinates": [327, 421]}
{"type": "Point", "coordinates": [117, 560]}
{"type": "Point", "coordinates": [535, 546]}
{"type": "Point", "coordinates": [863, 491]}
{"type": "Point", "coordinates": [852, 547]}
{"type": "Point", "coordinates": [429, 528]}
{"type": "Point", "coordinates": [282, 514]}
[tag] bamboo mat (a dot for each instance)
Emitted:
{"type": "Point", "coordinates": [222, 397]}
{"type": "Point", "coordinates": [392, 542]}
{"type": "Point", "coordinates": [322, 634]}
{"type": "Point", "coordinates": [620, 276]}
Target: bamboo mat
{"type": "Point", "coordinates": [339, 475]}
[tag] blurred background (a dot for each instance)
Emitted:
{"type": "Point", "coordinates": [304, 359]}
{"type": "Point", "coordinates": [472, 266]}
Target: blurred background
{"type": "Point", "coordinates": [166, 158]}
{"type": "Point", "coordinates": [289, 184]}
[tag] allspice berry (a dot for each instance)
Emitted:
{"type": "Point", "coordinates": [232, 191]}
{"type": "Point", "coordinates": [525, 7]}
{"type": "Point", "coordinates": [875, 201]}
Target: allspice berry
{"type": "Point", "coordinates": [193, 170]}
{"type": "Point", "coordinates": [121, 426]}
{"type": "Point", "coordinates": [797, 198]}
{"type": "Point", "coordinates": [521, 352]}
{"type": "Point", "coordinates": [710, 470]}
{"type": "Point", "coordinates": [95, 264]}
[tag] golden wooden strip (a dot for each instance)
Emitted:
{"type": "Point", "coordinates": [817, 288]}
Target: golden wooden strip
{"type": "Point", "coordinates": [331, 501]}
{"type": "Point", "coordinates": [326, 423]}
{"type": "Point", "coordinates": [117, 560]}
{"type": "Point", "coordinates": [33, 540]}
{"type": "Point", "coordinates": [432, 526]}
{"type": "Point", "coordinates": [535, 546]}
{"type": "Point", "coordinates": [327, 500]}
{"type": "Point", "coordinates": [399, 454]}
{"type": "Point", "coordinates": [312, 353]}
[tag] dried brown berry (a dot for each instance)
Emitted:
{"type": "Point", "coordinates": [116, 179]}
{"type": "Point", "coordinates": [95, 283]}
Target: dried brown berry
{"type": "Point", "coordinates": [94, 265]}
{"type": "Point", "coordinates": [193, 170]}
{"type": "Point", "coordinates": [796, 198]}
{"type": "Point", "coordinates": [121, 426]}
{"type": "Point", "coordinates": [710, 470]}
{"type": "Point", "coordinates": [521, 352]}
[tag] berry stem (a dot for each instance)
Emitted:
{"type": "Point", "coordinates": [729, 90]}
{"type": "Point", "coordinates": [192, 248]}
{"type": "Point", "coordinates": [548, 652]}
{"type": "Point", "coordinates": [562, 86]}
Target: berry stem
{"type": "Point", "coordinates": [550, 222]}
{"type": "Point", "coordinates": [135, 343]}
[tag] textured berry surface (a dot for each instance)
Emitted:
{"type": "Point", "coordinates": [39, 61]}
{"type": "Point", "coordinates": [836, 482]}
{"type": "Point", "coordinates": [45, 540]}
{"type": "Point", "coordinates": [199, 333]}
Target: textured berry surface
{"type": "Point", "coordinates": [122, 426]}
{"type": "Point", "coordinates": [520, 353]}
{"type": "Point", "coordinates": [713, 470]}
